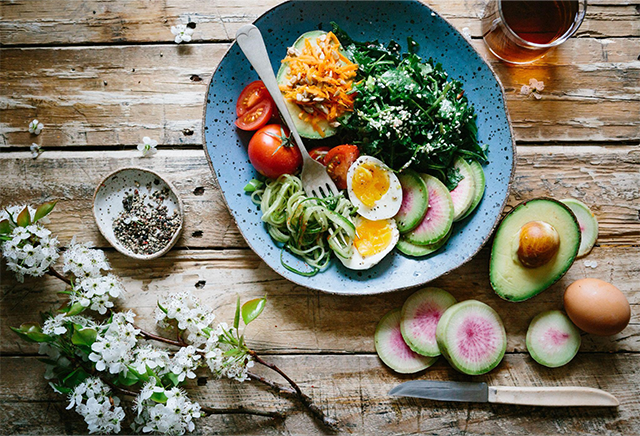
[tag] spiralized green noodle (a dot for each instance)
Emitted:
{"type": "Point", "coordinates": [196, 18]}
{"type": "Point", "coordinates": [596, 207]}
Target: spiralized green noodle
{"type": "Point", "coordinates": [306, 226]}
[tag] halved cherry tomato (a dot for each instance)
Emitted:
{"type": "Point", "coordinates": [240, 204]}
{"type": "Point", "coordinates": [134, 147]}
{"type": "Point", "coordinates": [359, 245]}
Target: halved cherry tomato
{"type": "Point", "coordinates": [254, 107]}
{"type": "Point", "coordinates": [257, 116]}
{"type": "Point", "coordinates": [272, 153]}
{"type": "Point", "coordinates": [338, 160]}
{"type": "Point", "coordinates": [318, 153]}
{"type": "Point", "coordinates": [250, 96]}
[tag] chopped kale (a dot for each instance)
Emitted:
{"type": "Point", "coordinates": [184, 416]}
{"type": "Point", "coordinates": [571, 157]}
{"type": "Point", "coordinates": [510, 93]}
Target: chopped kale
{"type": "Point", "coordinates": [407, 112]}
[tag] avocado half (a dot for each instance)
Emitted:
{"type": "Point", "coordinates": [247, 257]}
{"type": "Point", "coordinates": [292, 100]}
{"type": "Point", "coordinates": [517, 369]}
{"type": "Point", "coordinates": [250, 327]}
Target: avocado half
{"type": "Point", "coordinates": [305, 129]}
{"type": "Point", "coordinates": [510, 279]}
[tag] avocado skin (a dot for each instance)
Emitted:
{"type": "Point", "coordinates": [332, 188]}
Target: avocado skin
{"type": "Point", "coordinates": [514, 295]}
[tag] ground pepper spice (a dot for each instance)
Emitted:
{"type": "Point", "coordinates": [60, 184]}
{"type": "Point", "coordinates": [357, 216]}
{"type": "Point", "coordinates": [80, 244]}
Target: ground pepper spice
{"type": "Point", "coordinates": [145, 226]}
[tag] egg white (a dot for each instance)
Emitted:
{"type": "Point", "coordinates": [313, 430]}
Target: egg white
{"type": "Point", "coordinates": [389, 205]}
{"type": "Point", "coordinates": [357, 262]}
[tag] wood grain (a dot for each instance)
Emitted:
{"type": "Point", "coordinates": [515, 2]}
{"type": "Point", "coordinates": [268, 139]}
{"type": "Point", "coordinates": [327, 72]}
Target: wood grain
{"type": "Point", "coordinates": [111, 96]}
{"type": "Point", "coordinates": [301, 320]}
{"type": "Point", "coordinates": [354, 389]}
{"type": "Point", "coordinates": [48, 22]}
{"type": "Point", "coordinates": [606, 178]}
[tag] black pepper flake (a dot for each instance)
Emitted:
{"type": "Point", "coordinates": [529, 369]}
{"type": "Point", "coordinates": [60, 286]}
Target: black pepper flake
{"type": "Point", "coordinates": [145, 226]}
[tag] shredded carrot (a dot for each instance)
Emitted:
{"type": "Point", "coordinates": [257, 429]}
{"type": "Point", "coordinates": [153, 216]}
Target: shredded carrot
{"type": "Point", "coordinates": [319, 79]}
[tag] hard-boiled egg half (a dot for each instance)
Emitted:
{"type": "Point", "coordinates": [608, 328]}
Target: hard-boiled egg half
{"type": "Point", "coordinates": [373, 241]}
{"type": "Point", "coordinates": [373, 189]}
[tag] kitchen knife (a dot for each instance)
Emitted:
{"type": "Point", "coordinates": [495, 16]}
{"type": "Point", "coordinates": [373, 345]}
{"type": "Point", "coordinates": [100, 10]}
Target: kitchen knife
{"type": "Point", "coordinates": [482, 393]}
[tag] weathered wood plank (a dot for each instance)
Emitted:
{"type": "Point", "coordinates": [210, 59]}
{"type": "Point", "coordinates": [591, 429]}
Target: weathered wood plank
{"type": "Point", "coordinates": [300, 320]}
{"type": "Point", "coordinates": [606, 178]}
{"type": "Point", "coordinates": [354, 389]}
{"type": "Point", "coordinates": [138, 21]}
{"type": "Point", "coordinates": [110, 96]}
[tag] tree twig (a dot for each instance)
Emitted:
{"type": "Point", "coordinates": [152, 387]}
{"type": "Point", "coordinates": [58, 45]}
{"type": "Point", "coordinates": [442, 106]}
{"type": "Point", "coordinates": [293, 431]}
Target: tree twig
{"type": "Point", "coordinates": [147, 335]}
{"type": "Point", "coordinates": [52, 272]}
{"type": "Point", "coordinates": [329, 422]}
{"type": "Point", "coordinates": [241, 411]}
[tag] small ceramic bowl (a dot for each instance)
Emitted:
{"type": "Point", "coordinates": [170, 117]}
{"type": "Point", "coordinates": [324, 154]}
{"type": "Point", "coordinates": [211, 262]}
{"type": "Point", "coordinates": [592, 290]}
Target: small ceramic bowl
{"type": "Point", "coordinates": [107, 204]}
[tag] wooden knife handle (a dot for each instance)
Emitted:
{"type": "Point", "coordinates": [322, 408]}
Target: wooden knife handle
{"type": "Point", "coordinates": [552, 397]}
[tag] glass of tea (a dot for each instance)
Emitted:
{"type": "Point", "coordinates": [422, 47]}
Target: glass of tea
{"type": "Point", "coordinates": [521, 31]}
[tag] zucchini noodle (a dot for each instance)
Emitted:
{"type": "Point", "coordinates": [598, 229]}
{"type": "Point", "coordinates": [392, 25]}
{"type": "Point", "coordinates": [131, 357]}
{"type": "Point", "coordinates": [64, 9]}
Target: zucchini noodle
{"type": "Point", "coordinates": [306, 226]}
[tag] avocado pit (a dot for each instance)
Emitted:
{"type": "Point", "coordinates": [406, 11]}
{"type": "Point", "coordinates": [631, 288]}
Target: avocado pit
{"type": "Point", "coordinates": [539, 242]}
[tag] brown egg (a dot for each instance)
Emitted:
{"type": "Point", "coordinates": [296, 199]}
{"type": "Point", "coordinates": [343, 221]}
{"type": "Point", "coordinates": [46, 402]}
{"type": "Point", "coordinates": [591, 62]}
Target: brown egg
{"type": "Point", "coordinates": [597, 307]}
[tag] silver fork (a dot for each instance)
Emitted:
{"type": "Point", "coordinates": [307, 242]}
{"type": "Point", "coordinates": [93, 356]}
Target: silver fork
{"type": "Point", "coordinates": [315, 180]}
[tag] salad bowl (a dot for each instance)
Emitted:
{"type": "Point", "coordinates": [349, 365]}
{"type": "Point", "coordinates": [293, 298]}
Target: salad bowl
{"type": "Point", "coordinates": [226, 146]}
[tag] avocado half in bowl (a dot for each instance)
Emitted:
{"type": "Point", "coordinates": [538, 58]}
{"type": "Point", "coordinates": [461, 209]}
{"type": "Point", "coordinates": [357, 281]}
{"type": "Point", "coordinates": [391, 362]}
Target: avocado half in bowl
{"type": "Point", "coordinates": [534, 246]}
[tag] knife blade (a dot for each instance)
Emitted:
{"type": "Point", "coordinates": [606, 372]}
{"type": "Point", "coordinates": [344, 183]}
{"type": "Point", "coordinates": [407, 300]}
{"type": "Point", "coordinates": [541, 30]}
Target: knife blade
{"type": "Point", "coordinates": [482, 393]}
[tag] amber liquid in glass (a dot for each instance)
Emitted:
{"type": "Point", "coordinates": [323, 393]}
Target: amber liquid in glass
{"type": "Point", "coordinates": [537, 22]}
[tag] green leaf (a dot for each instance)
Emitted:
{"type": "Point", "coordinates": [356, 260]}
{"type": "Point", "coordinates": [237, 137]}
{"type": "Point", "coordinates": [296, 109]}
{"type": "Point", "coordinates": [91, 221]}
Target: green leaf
{"type": "Point", "coordinates": [61, 389]}
{"type": "Point", "coordinates": [24, 219]}
{"type": "Point", "coordinates": [75, 377]}
{"type": "Point", "coordinates": [75, 309]}
{"type": "Point", "coordinates": [83, 336]}
{"type": "Point", "coordinates": [159, 397]}
{"type": "Point", "coordinates": [5, 227]}
{"type": "Point", "coordinates": [144, 377]}
{"type": "Point", "coordinates": [172, 378]}
{"type": "Point", "coordinates": [252, 309]}
{"type": "Point", "coordinates": [44, 210]}
{"type": "Point", "coordinates": [253, 185]}
{"type": "Point", "coordinates": [207, 331]}
{"type": "Point", "coordinates": [32, 332]}
{"type": "Point", "coordinates": [127, 380]}
{"type": "Point", "coordinates": [236, 318]}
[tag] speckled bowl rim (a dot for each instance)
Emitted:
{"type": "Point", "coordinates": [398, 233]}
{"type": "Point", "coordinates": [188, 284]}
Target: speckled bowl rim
{"type": "Point", "coordinates": [300, 282]}
{"type": "Point", "coordinates": [116, 244]}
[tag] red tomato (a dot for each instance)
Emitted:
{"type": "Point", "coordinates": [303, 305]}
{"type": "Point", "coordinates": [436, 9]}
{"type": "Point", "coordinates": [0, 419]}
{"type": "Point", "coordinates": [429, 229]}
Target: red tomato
{"type": "Point", "coordinates": [254, 107]}
{"type": "Point", "coordinates": [257, 116]}
{"type": "Point", "coordinates": [270, 156]}
{"type": "Point", "coordinates": [338, 160]}
{"type": "Point", "coordinates": [318, 153]}
{"type": "Point", "coordinates": [250, 95]}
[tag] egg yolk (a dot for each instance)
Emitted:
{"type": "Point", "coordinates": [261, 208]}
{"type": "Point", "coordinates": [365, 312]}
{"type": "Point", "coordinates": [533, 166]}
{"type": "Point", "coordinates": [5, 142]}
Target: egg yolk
{"type": "Point", "coordinates": [369, 183]}
{"type": "Point", "coordinates": [372, 236]}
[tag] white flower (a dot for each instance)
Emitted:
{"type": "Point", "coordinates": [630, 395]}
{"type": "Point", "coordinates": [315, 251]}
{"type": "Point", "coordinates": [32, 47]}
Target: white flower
{"type": "Point", "coordinates": [113, 348]}
{"type": "Point", "coordinates": [233, 366]}
{"type": "Point", "coordinates": [101, 411]}
{"type": "Point", "coordinates": [30, 251]}
{"type": "Point", "coordinates": [175, 416]}
{"type": "Point", "coordinates": [182, 33]}
{"type": "Point", "coordinates": [35, 127]}
{"type": "Point", "coordinates": [190, 315]}
{"type": "Point", "coordinates": [149, 356]}
{"type": "Point", "coordinates": [148, 146]}
{"type": "Point", "coordinates": [95, 292]}
{"type": "Point", "coordinates": [184, 362]}
{"type": "Point", "coordinates": [36, 150]}
{"type": "Point", "coordinates": [84, 262]}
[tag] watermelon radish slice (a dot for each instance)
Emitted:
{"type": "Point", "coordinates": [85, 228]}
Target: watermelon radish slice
{"type": "Point", "coordinates": [419, 319]}
{"type": "Point", "coordinates": [463, 194]}
{"type": "Point", "coordinates": [439, 217]}
{"type": "Point", "coordinates": [392, 349]}
{"type": "Point", "coordinates": [480, 184]}
{"type": "Point", "coordinates": [552, 339]}
{"type": "Point", "coordinates": [587, 222]}
{"type": "Point", "coordinates": [415, 201]}
{"type": "Point", "coordinates": [471, 337]}
{"type": "Point", "coordinates": [414, 250]}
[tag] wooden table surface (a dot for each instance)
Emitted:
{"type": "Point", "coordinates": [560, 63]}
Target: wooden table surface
{"type": "Point", "coordinates": [102, 74]}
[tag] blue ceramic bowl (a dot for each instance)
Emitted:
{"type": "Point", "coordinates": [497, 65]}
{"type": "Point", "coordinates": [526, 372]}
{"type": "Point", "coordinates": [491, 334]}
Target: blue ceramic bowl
{"type": "Point", "coordinates": [226, 146]}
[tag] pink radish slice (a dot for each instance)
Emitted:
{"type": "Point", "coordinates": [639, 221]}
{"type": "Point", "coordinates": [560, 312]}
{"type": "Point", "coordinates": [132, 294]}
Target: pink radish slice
{"type": "Point", "coordinates": [462, 196]}
{"type": "Point", "coordinates": [393, 350]}
{"type": "Point", "coordinates": [414, 201]}
{"type": "Point", "coordinates": [419, 319]}
{"type": "Point", "coordinates": [472, 338]}
{"type": "Point", "coordinates": [552, 339]}
{"type": "Point", "coordinates": [439, 217]}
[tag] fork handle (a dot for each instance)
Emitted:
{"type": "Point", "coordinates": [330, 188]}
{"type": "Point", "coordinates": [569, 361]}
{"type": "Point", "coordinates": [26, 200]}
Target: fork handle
{"type": "Point", "coordinates": [252, 45]}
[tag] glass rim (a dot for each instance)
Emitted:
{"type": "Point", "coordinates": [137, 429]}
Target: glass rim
{"type": "Point", "coordinates": [568, 34]}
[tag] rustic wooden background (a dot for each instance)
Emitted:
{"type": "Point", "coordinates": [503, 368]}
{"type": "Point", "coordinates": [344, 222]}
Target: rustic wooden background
{"type": "Point", "coordinates": [102, 74]}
